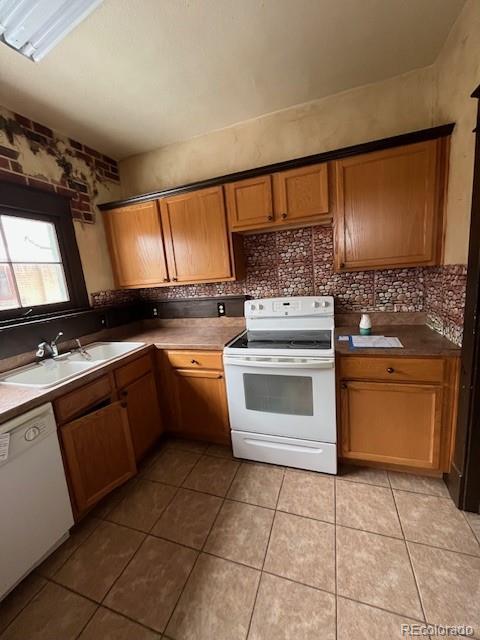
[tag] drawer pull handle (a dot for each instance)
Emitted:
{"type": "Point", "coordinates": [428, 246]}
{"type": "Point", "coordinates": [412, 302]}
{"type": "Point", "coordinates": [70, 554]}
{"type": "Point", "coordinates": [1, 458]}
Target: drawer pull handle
{"type": "Point", "coordinates": [270, 217]}
{"type": "Point", "coordinates": [219, 377]}
{"type": "Point", "coordinates": [194, 362]}
{"type": "Point", "coordinates": [390, 370]}
{"type": "Point", "coordinates": [284, 215]}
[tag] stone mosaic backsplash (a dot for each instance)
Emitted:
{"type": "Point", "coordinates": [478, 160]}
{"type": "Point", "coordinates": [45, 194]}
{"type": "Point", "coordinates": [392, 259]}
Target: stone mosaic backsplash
{"type": "Point", "coordinates": [300, 262]}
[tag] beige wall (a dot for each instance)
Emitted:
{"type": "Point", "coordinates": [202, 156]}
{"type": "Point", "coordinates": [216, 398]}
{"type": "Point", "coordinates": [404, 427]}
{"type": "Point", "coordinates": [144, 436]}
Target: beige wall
{"type": "Point", "coordinates": [419, 99]}
{"type": "Point", "coordinates": [90, 237]}
{"type": "Point", "coordinates": [367, 113]}
{"type": "Point", "coordinates": [457, 74]}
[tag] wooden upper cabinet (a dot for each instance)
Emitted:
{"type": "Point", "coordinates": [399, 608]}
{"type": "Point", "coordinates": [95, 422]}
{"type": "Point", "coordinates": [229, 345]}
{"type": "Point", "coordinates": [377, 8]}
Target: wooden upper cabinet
{"type": "Point", "coordinates": [279, 200]}
{"type": "Point", "coordinates": [135, 241]}
{"type": "Point", "coordinates": [250, 203]}
{"type": "Point", "coordinates": [389, 209]}
{"type": "Point", "coordinates": [197, 241]}
{"type": "Point", "coordinates": [300, 194]}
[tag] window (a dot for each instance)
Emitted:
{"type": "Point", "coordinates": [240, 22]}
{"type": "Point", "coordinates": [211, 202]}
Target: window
{"type": "Point", "coordinates": [31, 269]}
{"type": "Point", "coordinates": [40, 269]}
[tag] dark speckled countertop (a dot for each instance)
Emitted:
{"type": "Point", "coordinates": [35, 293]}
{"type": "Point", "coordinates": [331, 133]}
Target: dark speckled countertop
{"type": "Point", "coordinates": [417, 340]}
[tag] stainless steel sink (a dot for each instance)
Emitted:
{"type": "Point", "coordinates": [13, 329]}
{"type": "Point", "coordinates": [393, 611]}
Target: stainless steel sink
{"type": "Point", "coordinates": [51, 372]}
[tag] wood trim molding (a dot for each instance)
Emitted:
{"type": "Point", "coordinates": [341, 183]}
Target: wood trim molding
{"type": "Point", "coordinates": [366, 147]}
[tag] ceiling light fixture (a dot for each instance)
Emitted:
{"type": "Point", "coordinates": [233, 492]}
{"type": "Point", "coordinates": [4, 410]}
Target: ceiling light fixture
{"type": "Point", "coordinates": [34, 27]}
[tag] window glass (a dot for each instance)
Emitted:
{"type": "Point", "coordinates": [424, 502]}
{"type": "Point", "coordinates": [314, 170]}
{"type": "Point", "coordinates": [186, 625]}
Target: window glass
{"type": "Point", "coordinates": [40, 283]}
{"type": "Point", "coordinates": [30, 240]}
{"type": "Point", "coordinates": [31, 269]}
{"type": "Point", "coordinates": [8, 295]}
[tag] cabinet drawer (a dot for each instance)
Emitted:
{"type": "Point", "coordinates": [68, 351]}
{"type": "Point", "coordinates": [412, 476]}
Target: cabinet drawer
{"type": "Point", "coordinates": [391, 369]}
{"type": "Point", "coordinates": [132, 371]}
{"type": "Point", "coordinates": [195, 359]}
{"type": "Point", "coordinates": [73, 403]}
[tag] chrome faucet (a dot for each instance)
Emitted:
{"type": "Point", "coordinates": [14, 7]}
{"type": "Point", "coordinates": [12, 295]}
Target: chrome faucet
{"type": "Point", "coordinates": [82, 351]}
{"type": "Point", "coordinates": [49, 349]}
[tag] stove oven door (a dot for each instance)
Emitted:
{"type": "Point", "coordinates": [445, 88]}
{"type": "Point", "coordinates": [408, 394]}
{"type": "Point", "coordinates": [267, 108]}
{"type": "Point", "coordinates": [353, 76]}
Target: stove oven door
{"type": "Point", "coordinates": [289, 396]}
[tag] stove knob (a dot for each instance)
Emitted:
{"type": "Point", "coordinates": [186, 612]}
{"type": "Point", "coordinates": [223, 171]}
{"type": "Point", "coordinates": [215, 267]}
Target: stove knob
{"type": "Point", "coordinates": [252, 307]}
{"type": "Point", "coordinates": [260, 307]}
{"type": "Point", "coordinates": [316, 304]}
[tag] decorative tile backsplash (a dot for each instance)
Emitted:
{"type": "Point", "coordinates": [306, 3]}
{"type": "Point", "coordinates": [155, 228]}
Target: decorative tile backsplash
{"type": "Point", "coordinates": [300, 262]}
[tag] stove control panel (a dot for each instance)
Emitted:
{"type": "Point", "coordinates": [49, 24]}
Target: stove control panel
{"type": "Point", "coordinates": [301, 306]}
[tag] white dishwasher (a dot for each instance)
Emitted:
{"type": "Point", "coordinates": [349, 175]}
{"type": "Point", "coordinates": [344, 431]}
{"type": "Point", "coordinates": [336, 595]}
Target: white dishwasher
{"type": "Point", "coordinates": [35, 511]}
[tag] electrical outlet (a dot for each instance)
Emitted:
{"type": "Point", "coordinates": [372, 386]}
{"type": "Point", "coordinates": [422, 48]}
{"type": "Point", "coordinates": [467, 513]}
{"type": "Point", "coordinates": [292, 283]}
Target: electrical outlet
{"type": "Point", "coordinates": [155, 312]}
{"type": "Point", "coordinates": [221, 308]}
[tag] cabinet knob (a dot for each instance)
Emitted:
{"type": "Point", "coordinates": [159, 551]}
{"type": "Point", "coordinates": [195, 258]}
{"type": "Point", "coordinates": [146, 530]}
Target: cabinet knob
{"type": "Point", "coordinates": [124, 393]}
{"type": "Point", "coordinates": [343, 385]}
{"type": "Point", "coordinates": [270, 217]}
{"type": "Point", "coordinates": [220, 377]}
{"type": "Point", "coordinates": [194, 362]}
{"type": "Point", "coordinates": [390, 370]}
{"type": "Point", "coordinates": [342, 264]}
{"type": "Point", "coordinates": [174, 279]}
{"type": "Point", "coordinates": [165, 279]}
{"type": "Point", "coordinates": [284, 215]}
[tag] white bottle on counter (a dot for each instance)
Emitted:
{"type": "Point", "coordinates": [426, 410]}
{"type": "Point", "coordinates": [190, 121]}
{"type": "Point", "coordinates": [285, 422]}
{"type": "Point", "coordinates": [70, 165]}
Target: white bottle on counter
{"type": "Point", "coordinates": [365, 325]}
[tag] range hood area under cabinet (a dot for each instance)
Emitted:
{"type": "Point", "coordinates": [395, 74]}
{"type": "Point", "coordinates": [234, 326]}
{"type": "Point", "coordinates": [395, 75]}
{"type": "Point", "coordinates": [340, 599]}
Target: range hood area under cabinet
{"type": "Point", "coordinates": [386, 202]}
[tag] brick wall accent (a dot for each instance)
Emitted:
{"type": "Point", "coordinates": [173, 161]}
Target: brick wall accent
{"type": "Point", "coordinates": [80, 168]}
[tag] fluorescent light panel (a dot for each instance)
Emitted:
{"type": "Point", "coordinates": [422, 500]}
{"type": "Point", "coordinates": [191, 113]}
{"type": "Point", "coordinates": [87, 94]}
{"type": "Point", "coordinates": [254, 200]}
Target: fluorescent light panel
{"type": "Point", "coordinates": [34, 27]}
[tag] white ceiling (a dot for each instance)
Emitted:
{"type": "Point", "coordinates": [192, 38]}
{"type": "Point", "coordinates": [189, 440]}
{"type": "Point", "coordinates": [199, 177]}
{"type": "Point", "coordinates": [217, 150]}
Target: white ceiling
{"type": "Point", "coordinates": [141, 74]}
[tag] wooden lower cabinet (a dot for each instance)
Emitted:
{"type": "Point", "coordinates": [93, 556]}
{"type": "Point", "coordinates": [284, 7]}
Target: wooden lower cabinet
{"type": "Point", "coordinates": [98, 453]}
{"type": "Point", "coordinates": [196, 398]}
{"type": "Point", "coordinates": [392, 423]}
{"type": "Point", "coordinates": [399, 413]}
{"type": "Point", "coordinates": [143, 413]}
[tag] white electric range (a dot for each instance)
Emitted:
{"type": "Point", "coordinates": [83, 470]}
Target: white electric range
{"type": "Point", "coordinates": [280, 377]}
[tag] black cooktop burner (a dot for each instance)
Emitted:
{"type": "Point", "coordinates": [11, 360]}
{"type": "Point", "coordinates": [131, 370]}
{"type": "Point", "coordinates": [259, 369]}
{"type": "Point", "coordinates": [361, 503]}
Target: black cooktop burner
{"type": "Point", "coordinates": [284, 340]}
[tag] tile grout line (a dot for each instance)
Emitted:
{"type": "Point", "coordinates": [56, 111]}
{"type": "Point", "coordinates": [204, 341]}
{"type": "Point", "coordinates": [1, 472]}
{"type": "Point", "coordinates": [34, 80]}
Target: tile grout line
{"type": "Point", "coordinates": [25, 605]}
{"type": "Point", "coordinates": [265, 555]}
{"type": "Point", "coordinates": [99, 605]}
{"type": "Point", "coordinates": [408, 553]}
{"type": "Point", "coordinates": [470, 527]}
{"type": "Point", "coordinates": [199, 551]}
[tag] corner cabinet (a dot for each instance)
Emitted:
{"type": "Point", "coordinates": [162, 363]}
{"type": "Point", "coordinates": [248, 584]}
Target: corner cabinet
{"type": "Point", "coordinates": [178, 239]}
{"type": "Point", "coordinates": [398, 412]}
{"type": "Point", "coordinates": [135, 240]}
{"type": "Point", "coordinates": [194, 393]}
{"type": "Point", "coordinates": [287, 198]}
{"type": "Point", "coordinates": [389, 207]}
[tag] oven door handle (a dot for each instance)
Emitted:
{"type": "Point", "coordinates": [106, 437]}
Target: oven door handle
{"type": "Point", "coordinates": [275, 364]}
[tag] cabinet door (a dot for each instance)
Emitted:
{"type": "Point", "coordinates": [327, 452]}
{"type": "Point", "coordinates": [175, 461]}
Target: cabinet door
{"type": "Point", "coordinates": [143, 413]}
{"type": "Point", "coordinates": [196, 236]}
{"type": "Point", "coordinates": [301, 193]}
{"type": "Point", "coordinates": [392, 423]}
{"type": "Point", "coordinates": [198, 405]}
{"type": "Point", "coordinates": [135, 240]}
{"type": "Point", "coordinates": [99, 454]}
{"type": "Point", "coordinates": [389, 210]}
{"type": "Point", "coordinates": [249, 203]}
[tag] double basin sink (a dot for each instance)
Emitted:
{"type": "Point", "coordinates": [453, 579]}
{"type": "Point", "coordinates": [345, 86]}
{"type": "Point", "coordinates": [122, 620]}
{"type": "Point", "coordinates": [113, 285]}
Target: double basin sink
{"type": "Point", "coordinates": [51, 372]}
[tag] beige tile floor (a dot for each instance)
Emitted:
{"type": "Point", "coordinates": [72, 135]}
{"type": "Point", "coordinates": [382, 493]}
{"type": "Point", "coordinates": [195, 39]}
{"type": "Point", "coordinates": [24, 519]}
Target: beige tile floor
{"type": "Point", "coordinates": [201, 546]}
